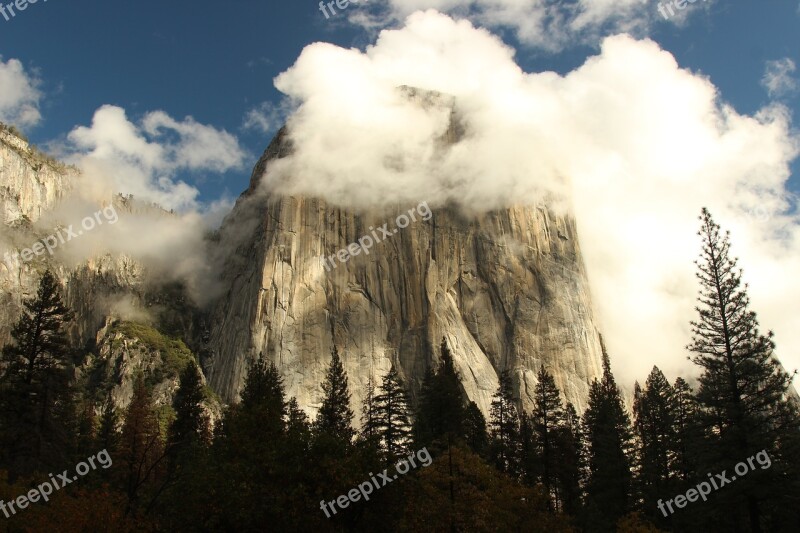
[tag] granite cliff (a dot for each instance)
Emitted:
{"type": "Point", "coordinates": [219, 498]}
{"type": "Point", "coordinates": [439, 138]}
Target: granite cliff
{"type": "Point", "coordinates": [507, 289]}
{"type": "Point", "coordinates": [31, 183]}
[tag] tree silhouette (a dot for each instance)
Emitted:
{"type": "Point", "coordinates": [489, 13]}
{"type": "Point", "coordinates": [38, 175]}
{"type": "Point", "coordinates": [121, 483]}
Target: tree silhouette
{"type": "Point", "coordinates": [335, 418]}
{"type": "Point", "coordinates": [504, 428]}
{"type": "Point", "coordinates": [608, 443]}
{"type": "Point", "coordinates": [392, 415]}
{"type": "Point", "coordinates": [38, 408]}
{"type": "Point", "coordinates": [743, 390]}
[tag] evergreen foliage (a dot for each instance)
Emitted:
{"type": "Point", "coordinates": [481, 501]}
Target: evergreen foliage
{"type": "Point", "coordinates": [37, 404]}
{"type": "Point", "coordinates": [548, 419]}
{"type": "Point", "coordinates": [607, 431]}
{"type": "Point", "coordinates": [393, 418]}
{"type": "Point", "coordinates": [441, 412]}
{"type": "Point", "coordinates": [335, 418]}
{"type": "Point", "coordinates": [504, 428]}
{"type": "Point", "coordinates": [743, 396]}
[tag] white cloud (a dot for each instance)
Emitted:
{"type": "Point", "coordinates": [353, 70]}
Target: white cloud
{"type": "Point", "coordinates": [539, 23]}
{"type": "Point", "coordinates": [116, 155]}
{"type": "Point", "coordinates": [119, 156]}
{"type": "Point", "coordinates": [641, 143]}
{"type": "Point", "coordinates": [19, 95]}
{"type": "Point", "coordinates": [199, 147]}
{"type": "Point", "coordinates": [778, 79]}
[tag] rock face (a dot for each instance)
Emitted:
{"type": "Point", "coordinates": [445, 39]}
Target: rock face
{"type": "Point", "coordinates": [126, 349]}
{"type": "Point", "coordinates": [506, 289]}
{"type": "Point", "coordinates": [32, 182]}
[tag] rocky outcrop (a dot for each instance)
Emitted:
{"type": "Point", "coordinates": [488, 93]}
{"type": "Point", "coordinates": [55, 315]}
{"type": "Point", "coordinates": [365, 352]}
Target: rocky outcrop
{"type": "Point", "coordinates": [99, 291]}
{"type": "Point", "coordinates": [31, 182]}
{"type": "Point", "coordinates": [507, 290]}
{"type": "Point", "coordinates": [125, 350]}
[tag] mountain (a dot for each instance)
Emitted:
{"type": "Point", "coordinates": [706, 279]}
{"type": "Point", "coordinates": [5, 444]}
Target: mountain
{"type": "Point", "coordinates": [103, 291]}
{"type": "Point", "coordinates": [505, 288]}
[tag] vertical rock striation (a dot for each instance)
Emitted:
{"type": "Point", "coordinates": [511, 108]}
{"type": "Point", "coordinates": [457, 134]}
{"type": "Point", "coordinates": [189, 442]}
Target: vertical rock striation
{"type": "Point", "coordinates": [506, 288]}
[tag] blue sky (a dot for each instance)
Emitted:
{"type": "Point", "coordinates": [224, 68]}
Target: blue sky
{"type": "Point", "coordinates": [215, 61]}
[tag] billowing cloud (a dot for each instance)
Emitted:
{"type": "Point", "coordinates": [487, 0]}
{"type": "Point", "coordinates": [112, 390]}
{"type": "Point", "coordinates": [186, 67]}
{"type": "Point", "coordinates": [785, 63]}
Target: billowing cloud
{"type": "Point", "coordinates": [19, 95]}
{"type": "Point", "coordinates": [633, 142]}
{"type": "Point", "coordinates": [778, 77]}
{"type": "Point", "coordinates": [119, 156]}
{"type": "Point", "coordinates": [540, 23]}
{"type": "Point", "coordinates": [144, 159]}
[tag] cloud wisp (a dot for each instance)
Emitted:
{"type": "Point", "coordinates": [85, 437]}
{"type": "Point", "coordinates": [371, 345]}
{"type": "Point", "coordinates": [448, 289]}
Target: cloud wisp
{"type": "Point", "coordinates": [143, 159]}
{"type": "Point", "coordinates": [779, 79]}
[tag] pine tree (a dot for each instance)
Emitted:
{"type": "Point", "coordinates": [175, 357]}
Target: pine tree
{"type": "Point", "coordinates": [191, 425]}
{"type": "Point", "coordinates": [392, 416]}
{"type": "Point", "coordinates": [263, 396]}
{"type": "Point", "coordinates": [141, 448]}
{"type": "Point", "coordinates": [504, 424]}
{"type": "Point", "coordinates": [297, 447]}
{"type": "Point", "coordinates": [251, 447]}
{"type": "Point", "coordinates": [568, 466]}
{"type": "Point", "coordinates": [686, 435]}
{"type": "Point", "coordinates": [87, 430]}
{"type": "Point", "coordinates": [547, 417]}
{"type": "Point", "coordinates": [335, 418]}
{"type": "Point", "coordinates": [188, 442]}
{"type": "Point", "coordinates": [743, 389]}
{"type": "Point", "coordinates": [37, 401]}
{"type": "Point", "coordinates": [107, 432]}
{"type": "Point", "coordinates": [441, 413]}
{"type": "Point", "coordinates": [441, 410]}
{"type": "Point", "coordinates": [475, 433]}
{"type": "Point", "coordinates": [529, 459]}
{"type": "Point", "coordinates": [607, 431]}
{"type": "Point", "coordinates": [298, 428]}
{"type": "Point", "coordinates": [369, 421]}
{"type": "Point", "coordinates": [654, 412]}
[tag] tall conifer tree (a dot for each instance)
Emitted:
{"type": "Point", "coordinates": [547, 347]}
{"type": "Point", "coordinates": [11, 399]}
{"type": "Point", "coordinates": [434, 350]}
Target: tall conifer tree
{"type": "Point", "coordinates": [607, 431]}
{"type": "Point", "coordinates": [393, 417]}
{"type": "Point", "coordinates": [369, 421]}
{"type": "Point", "coordinates": [569, 466]}
{"type": "Point", "coordinates": [441, 408]}
{"type": "Point", "coordinates": [475, 433]}
{"type": "Point", "coordinates": [38, 410]}
{"type": "Point", "coordinates": [191, 425]}
{"type": "Point", "coordinates": [548, 417]}
{"type": "Point", "coordinates": [141, 448]}
{"type": "Point", "coordinates": [743, 392]}
{"type": "Point", "coordinates": [654, 425]}
{"type": "Point", "coordinates": [687, 435]}
{"type": "Point", "coordinates": [504, 424]}
{"type": "Point", "coordinates": [335, 418]}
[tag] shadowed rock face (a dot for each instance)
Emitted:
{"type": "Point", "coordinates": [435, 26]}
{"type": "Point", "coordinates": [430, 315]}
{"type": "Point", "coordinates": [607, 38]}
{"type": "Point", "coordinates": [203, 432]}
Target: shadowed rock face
{"type": "Point", "coordinates": [29, 185]}
{"type": "Point", "coordinates": [506, 288]}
